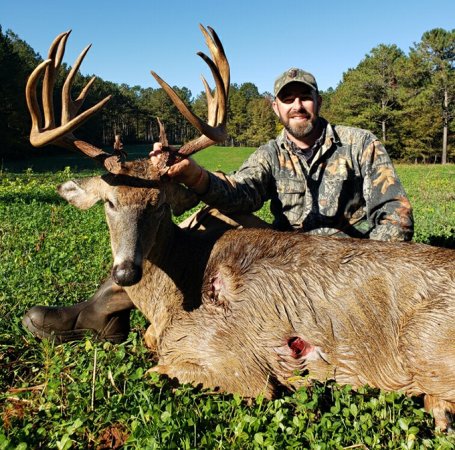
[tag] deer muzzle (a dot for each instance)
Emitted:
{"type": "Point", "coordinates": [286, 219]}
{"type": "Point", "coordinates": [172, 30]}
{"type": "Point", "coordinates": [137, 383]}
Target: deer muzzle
{"type": "Point", "coordinates": [126, 273]}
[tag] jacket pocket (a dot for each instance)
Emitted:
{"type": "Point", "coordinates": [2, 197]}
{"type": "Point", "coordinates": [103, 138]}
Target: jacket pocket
{"type": "Point", "coordinates": [291, 194]}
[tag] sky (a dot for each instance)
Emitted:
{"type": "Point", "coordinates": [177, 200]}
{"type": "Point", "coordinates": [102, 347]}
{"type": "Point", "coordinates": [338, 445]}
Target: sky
{"type": "Point", "coordinates": [261, 38]}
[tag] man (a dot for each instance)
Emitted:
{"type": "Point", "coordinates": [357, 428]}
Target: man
{"type": "Point", "coordinates": [320, 178]}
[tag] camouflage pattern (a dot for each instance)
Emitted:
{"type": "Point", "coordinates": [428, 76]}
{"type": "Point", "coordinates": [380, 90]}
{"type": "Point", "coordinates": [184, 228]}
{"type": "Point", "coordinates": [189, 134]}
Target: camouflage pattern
{"type": "Point", "coordinates": [349, 188]}
{"type": "Point", "coordinates": [291, 75]}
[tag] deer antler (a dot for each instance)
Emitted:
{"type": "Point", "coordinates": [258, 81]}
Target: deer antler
{"type": "Point", "coordinates": [215, 129]}
{"type": "Point", "coordinates": [48, 133]}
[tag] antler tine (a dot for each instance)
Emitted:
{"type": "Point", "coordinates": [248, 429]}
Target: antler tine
{"type": "Point", "coordinates": [69, 107]}
{"type": "Point", "coordinates": [184, 110]}
{"type": "Point", "coordinates": [217, 107]}
{"type": "Point", "coordinates": [31, 97]}
{"type": "Point", "coordinates": [214, 130]}
{"type": "Point", "coordinates": [218, 104]}
{"type": "Point", "coordinates": [217, 51]}
{"type": "Point", "coordinates": [163, 137]}
{"type": "Point", "coordinates": [55, 54]}
{"type": "Point", "coordinates": [212, 110]}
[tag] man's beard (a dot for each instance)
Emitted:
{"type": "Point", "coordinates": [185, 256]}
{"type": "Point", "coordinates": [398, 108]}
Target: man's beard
{"type": "Point", "coordinates": [300, 131]}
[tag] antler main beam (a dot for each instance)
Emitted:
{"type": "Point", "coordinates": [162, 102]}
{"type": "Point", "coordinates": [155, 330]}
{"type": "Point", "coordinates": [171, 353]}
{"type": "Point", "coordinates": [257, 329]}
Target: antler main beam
{"type": "Point", "coordinates": [44, 130]}
{"type": "Point", "coordinates": [214, 130]}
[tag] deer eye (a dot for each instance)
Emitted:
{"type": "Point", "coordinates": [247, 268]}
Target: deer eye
{"type": "Point", "coordinates": [110, 205]}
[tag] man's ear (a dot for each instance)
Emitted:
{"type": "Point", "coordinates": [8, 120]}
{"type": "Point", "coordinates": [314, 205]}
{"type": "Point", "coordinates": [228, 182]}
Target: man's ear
{"type": "Point", "coordinates": [275, 108]}
{"type": "Point", "coordinates": [319, 103]}
{"type": "Point", "coordinates": [80, 193]}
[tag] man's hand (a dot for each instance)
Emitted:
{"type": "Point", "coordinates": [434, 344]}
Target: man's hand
{"type": "Point", "coordinates": [187, 171]}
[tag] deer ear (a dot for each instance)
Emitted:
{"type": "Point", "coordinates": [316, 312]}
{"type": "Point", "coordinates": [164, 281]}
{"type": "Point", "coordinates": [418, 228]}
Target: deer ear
{"type": "Point", "coordinates": [79, 192]}
{"type": "Point", "coordinates": [180, 198]}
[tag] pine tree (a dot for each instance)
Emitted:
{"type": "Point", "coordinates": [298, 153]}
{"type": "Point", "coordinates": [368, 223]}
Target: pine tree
{"type": "Point", "coordinates": [437, 51]}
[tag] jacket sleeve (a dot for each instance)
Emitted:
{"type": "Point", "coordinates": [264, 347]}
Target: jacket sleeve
{"type": "Point", "coordinates": [245, 190]}
{"type": "Point", "coordinates": [388, 209]}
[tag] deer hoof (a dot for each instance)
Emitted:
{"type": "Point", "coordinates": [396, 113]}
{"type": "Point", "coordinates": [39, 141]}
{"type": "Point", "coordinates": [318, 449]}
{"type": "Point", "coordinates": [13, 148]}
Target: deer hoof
{"type": "Point", "coordinates": [161, 369]}
{"type": "Point", "coordinates": [150, 339]}
{"type": "Point", "coordinates": [443, 412]}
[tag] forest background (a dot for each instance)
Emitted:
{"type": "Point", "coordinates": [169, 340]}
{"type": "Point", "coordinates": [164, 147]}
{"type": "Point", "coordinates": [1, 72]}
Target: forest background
{"type": "Point", "coordinates": [406, 99]}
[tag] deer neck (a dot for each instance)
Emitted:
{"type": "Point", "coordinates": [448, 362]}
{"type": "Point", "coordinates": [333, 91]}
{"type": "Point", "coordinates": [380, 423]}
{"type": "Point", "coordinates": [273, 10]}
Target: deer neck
{"type": "Point", "coordinates": [172, 277]}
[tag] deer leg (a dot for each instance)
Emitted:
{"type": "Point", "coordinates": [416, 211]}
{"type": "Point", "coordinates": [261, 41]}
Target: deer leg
{"type": "Point", "coordinates": [184, 372]}
{"type": "Point", "coordinates": [443, 412]}
{"type": "Point", "coordinates": [211, 219]}
{"type": "Point", "coordinates": [150, 338]}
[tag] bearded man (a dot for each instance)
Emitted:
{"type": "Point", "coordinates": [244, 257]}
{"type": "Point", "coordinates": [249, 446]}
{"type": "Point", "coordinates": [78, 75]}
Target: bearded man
{"type": "Point", "coordinates": [320, 178]}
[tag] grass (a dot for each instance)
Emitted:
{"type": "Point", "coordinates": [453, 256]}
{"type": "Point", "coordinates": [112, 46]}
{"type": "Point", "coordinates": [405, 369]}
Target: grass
{"type": "Point", "coordinates": [215, 158]}
{"type": "Point", "coordinates": [98, 395]}
{"type": "Point", "coordinates": [431, 190]}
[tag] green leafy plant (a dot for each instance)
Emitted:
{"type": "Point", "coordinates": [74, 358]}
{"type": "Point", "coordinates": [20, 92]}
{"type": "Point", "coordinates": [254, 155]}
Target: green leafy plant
{"type": "Point", "coordinates": [99, 395]}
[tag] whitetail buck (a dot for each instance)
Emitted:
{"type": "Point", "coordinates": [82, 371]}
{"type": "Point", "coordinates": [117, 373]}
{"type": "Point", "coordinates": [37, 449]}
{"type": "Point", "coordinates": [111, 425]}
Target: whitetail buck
{"type": "Point", "coordinates": [245, 311]}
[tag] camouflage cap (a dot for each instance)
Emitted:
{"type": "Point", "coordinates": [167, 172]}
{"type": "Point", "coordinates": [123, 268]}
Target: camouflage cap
{"type": "Point", "coordinates": [294, 75]}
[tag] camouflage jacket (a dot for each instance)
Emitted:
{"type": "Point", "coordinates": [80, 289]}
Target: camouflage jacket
{"type": "Point", "coordinates": [349, 188]}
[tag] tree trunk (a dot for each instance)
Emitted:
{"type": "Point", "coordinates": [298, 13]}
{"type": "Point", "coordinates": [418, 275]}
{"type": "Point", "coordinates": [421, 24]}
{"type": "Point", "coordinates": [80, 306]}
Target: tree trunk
{"type": "Point", "coordinates": [383, 122]}
{"type": "Point", "coordinates": [446, 126]}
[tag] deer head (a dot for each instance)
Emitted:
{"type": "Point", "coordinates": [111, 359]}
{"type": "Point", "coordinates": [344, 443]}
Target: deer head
{"type": "Point", "coordinates": [138, 196]}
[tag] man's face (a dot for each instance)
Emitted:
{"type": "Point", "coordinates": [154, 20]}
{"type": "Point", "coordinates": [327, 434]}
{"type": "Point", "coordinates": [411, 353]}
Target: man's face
{"type": "Point", "coordinates": [297, 107]}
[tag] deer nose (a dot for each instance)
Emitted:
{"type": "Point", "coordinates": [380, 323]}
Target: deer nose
{"type": "Point", "coordinates": [126, 273]}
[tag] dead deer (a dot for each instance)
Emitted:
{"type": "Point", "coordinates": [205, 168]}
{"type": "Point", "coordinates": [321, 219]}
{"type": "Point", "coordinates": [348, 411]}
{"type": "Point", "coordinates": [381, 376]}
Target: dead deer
{"type": "Point", "coordinates": [245, 311]}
